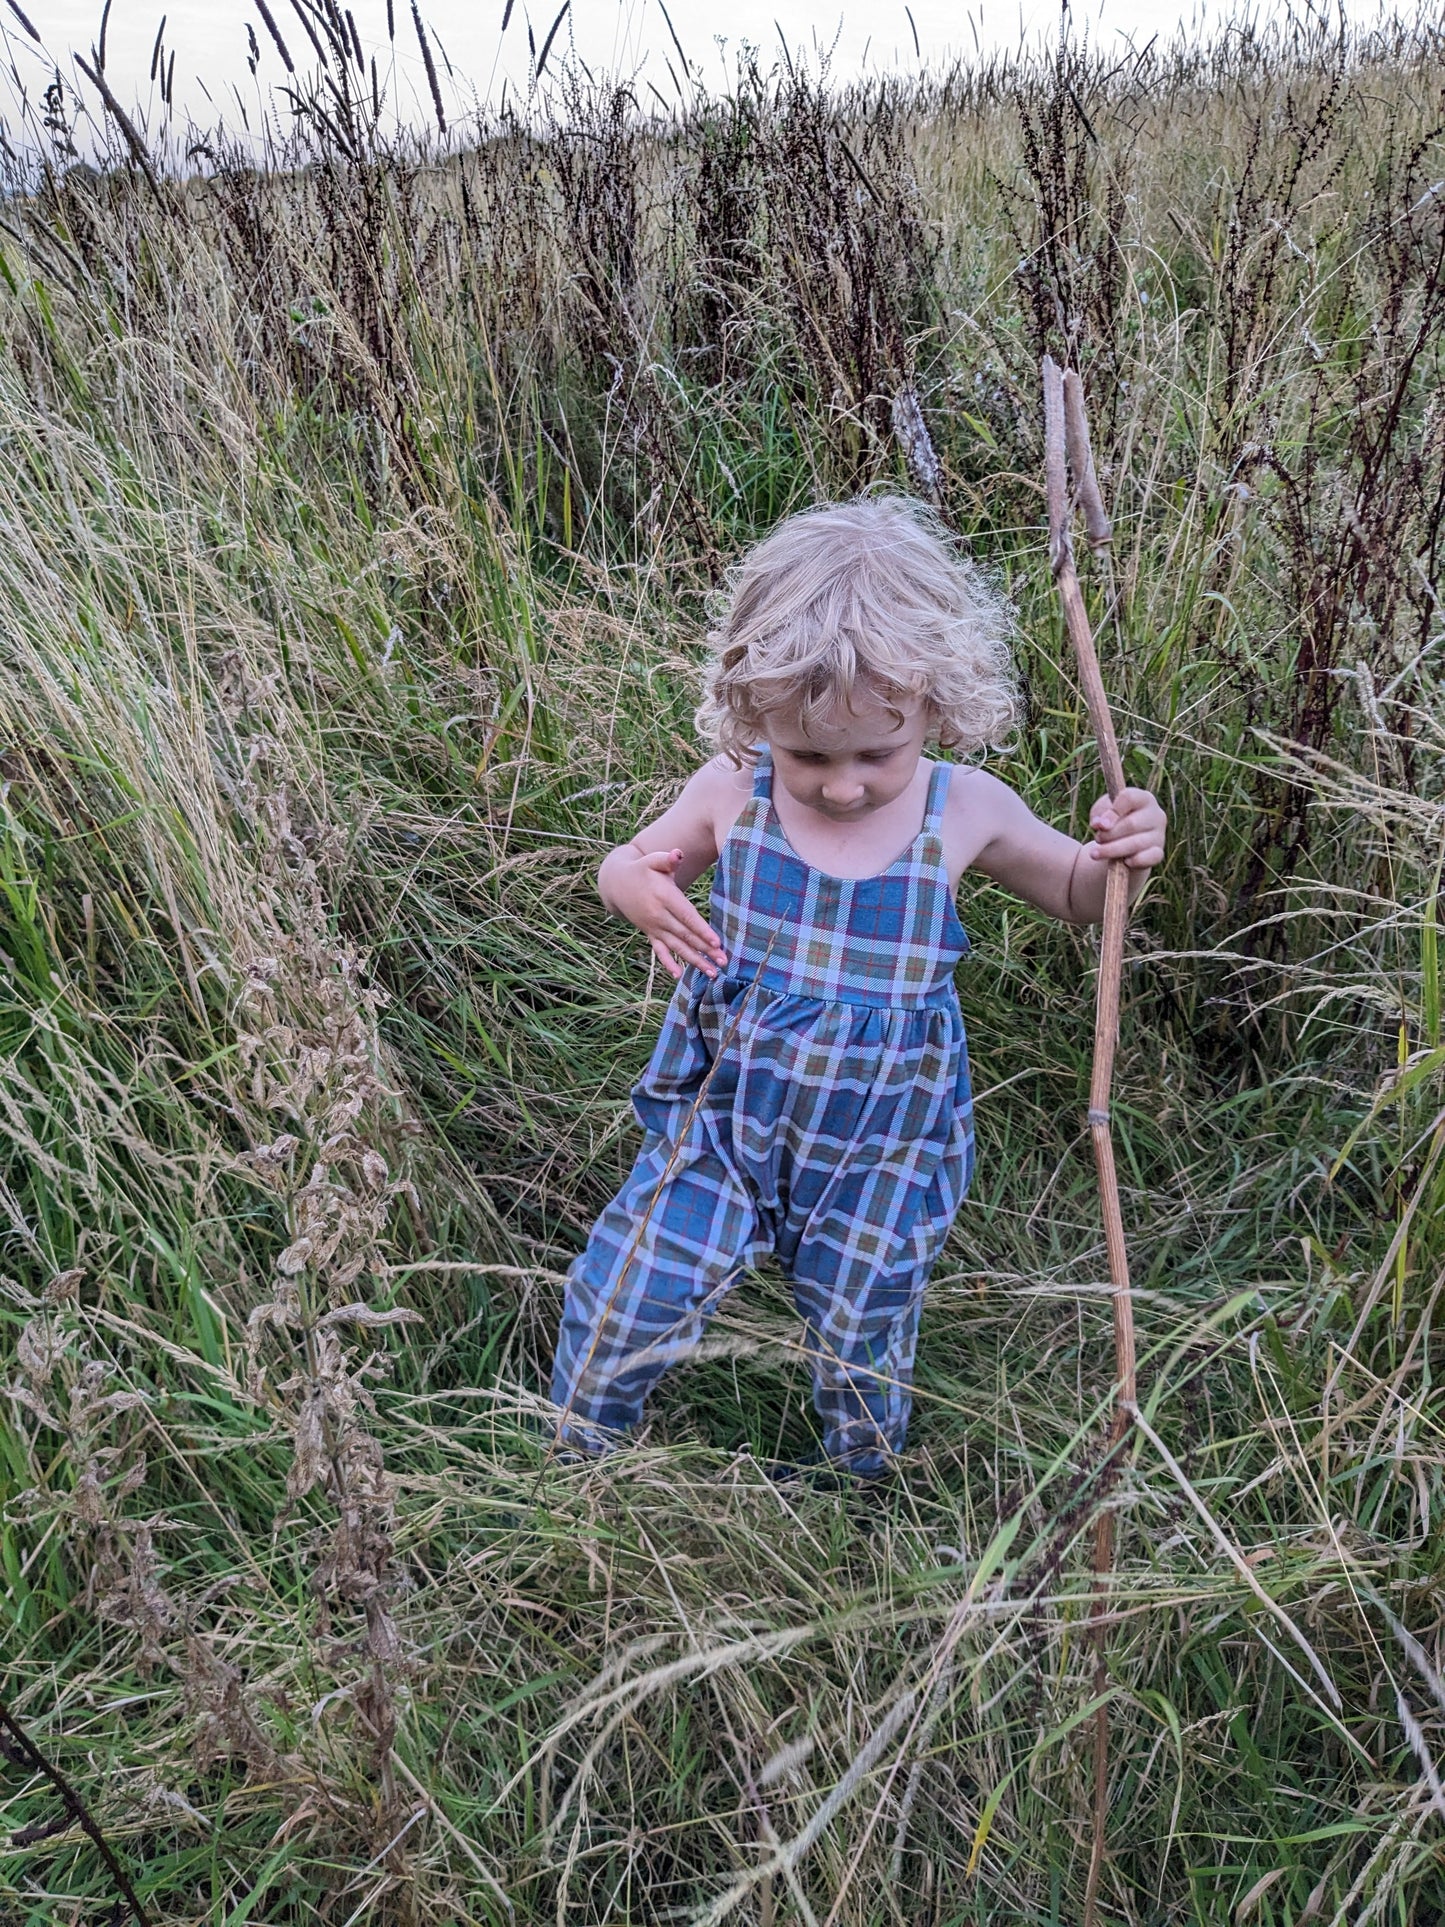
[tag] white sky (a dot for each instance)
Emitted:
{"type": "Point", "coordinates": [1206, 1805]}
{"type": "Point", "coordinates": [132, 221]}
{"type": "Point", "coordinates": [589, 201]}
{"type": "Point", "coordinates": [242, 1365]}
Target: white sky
{"type": "Point", "coordinates": [626, 36]}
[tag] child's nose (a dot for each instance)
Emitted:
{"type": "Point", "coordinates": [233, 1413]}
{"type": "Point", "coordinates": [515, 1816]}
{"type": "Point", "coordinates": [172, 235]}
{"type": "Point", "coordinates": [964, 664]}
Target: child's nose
{"type": "Point", "coordinates": [841, 790]}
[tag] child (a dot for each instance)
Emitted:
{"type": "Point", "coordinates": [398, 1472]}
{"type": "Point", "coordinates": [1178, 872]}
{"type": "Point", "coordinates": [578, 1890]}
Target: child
{"type": "Point", "coordinates": [808, 1095]}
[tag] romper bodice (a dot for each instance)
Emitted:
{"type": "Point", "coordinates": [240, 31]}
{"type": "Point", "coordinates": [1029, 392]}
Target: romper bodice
{"type": "Point", "coordinates": [891, 941]}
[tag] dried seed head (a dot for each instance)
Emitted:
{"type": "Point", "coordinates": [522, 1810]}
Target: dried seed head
{"type": "Point", "coordinates": [308, 1439]}
{"type": "Point", "coordinates": [38, 1350]}
{"type": "Point", "coordinates": [295, 1257]}
{"type": "Point", "coordinates": [64, 1287]}
{"type": "Point", "coordinates": [911, 433]}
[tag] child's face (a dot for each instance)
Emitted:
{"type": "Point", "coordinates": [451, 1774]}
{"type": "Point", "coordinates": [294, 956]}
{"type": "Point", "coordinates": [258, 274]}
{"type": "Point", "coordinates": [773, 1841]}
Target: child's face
{"type": "Point", "coordinates": [854, 760]}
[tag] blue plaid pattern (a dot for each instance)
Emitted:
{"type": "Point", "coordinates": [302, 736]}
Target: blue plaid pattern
{"type": "Point", "coordinates": [812, 1102]}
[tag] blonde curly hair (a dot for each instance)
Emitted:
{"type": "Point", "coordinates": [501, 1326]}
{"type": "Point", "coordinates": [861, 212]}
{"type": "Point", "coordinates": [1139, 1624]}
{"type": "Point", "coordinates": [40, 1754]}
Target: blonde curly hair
{"type": "Point", "coordinates": [871, 593]}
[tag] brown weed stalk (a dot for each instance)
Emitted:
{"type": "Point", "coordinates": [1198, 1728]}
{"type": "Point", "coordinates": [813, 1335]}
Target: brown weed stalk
{"type": "Point", "coordinates": [18, 1747]}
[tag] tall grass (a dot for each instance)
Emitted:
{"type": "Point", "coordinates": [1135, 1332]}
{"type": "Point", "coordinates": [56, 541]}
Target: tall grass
{"type": "Point", "coordinates": [365, 502]}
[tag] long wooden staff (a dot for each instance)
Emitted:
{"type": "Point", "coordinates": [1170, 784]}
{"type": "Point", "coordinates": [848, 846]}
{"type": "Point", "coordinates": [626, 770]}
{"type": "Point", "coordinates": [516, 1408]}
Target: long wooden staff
{"type": "Point", "coordinates": [1067, 452]}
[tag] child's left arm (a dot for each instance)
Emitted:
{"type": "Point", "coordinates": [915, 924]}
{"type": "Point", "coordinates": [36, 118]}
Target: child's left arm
{"type": "Point", "coordinates": [1047, 868]}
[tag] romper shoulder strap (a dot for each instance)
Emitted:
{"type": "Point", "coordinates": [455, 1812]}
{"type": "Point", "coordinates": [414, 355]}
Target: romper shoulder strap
{"type": "Point", "coordinates": [937, 797]}
{"type": "Point", "coordinates": [763, 773]}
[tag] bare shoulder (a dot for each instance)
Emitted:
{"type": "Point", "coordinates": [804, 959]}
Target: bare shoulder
{"type": "Point", "coordinates": [720, 789]}
{"type": "Point", "coordinates": [973, 791]}
{"type": "Point", "coordinates": [988, 827]}
{"type": "Point", "coordinates": [705, 809]}
{"type": "Point", "coordinates": [701, 815]}
{"type": "Point", "coordinates": [978, 808]}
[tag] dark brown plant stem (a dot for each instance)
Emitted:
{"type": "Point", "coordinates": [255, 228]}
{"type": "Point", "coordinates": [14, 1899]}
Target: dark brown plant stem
{"type": "Point", "coordinates": [1066, 448]}
{"type": "Point", "coordinates": [123, 121]}
{"type": "Point", "coordinates": [22, 1749]}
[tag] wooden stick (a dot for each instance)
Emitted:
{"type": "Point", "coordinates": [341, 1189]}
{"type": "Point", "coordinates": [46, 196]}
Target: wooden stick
{"type": "Point", "coordinates": [1066, 448]}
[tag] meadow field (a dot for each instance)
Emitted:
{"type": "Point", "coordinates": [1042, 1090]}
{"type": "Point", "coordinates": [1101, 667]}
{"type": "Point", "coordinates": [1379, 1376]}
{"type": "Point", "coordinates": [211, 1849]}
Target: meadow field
{"type": "Point", "coordinates": [362, 509]}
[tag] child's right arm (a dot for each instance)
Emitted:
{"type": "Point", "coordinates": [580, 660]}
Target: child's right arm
{"type": "Point", "coordinates": [644, 880]}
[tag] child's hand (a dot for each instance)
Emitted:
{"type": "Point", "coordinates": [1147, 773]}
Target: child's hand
{"type": "Point", "coordinates": [1128, 829]}
{"type": "Point", "coordinates": [641, 887]}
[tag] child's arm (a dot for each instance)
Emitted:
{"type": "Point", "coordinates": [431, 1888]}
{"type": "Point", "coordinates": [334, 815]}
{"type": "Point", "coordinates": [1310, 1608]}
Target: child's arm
{"type": "Point", "coordinates": [1047, 868]}
{"type": "Point", "coordinates": [644, 880]}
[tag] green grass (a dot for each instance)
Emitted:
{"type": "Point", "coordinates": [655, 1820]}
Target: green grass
{"type": "Point", "coordinates": [354, 576]}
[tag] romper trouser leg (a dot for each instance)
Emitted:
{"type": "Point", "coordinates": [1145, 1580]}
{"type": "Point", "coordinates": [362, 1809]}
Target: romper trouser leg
{"type": "Point", "coordinates": [858, 1281]}
{"type": "Point", "coordinates": [862, 1334]}
{"type": "Point", "coordinates": [660, 1257]}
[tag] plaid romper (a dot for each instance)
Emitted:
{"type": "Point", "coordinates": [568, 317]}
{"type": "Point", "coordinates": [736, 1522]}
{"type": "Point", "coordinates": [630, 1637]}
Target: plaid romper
{"type": "Point", "coordinates": [811, 1101]}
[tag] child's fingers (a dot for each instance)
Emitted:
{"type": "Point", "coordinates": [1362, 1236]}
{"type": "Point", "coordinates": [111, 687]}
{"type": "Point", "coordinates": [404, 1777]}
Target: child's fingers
{"type": "Point", "coordinates": [679, 937]}
{"type": "Point", "coordinates": [1128, 799]}
{"type": "Point", "coordinates": [1130, 823]}
{"type": "Point", "coordinates": [1113, 812]}
{"type": "Point", "coordinates": [663, 861]}
{"type": "Point", "coordinates": [697, 928]}
{"type": "Point", "coordinates": [665, 957]}
{"type": "Point", "coordinates": [1129, 831]}
{"type": "Point", "coordinates": [1137, 851]}
{"type": "Point", "coordinates": [1114, 842]}
{"type": "Point", "coordinates": [700, 948]}
{"type": "Point", "coordinates": [704, 934]}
